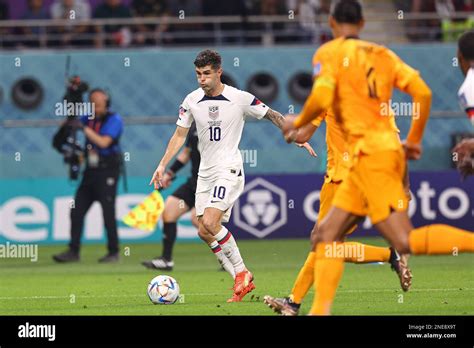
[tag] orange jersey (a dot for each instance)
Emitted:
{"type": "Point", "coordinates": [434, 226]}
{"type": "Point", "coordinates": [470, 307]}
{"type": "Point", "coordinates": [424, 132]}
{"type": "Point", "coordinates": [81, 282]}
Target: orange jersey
{"type": "Point", "coordinates": [338, 160]}
{"type": "Point", "coordinates": [363, 75]}
{"type": "Point", "coordinates": [338, 154]}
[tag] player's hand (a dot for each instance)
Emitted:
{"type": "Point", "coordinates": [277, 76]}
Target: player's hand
{"type": "Point", "coordinates": [464, 152]}
{"type": "Point", "coordinates": [466, 167]}
{"type": "Point", "coordinates": [463, 149]}
{"type": "Point", "coordinates": [288, 130]}
{"type": "Point", "coordinates": [412, 151]}
{"type": "Point", "coordinates": [157, 177]}
{"type": "Point", "coordinates": [309, 148]}
{"type": "Point", "coordinates": [406, 184]}
{"type": "Point", "coordinates": [167, 179]}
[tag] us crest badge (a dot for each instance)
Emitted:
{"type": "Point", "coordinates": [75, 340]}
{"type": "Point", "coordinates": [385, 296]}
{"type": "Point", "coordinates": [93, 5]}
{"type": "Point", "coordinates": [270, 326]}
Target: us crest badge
{"type": "Point", "coordinates": [214, 112]}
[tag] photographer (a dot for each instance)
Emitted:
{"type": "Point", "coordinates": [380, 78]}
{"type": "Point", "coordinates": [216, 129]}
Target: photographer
{"type": "Point", "coordinates": [99, 182]}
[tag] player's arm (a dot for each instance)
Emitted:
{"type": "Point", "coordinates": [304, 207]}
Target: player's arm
{"type": "Point", "coordinates": [275, 117]}
{"type": "Point", "coordinates": [304, 133]}
{"type": "Point", "coordinates": [421, 95]}
{"type": "Point", "coordinates": [322, 94]}
{"type": "Point", "coordinates": [175, 143]}
{"type": "Point", "coordinates": [464, 156]}
{"type": "Point", "coordinates": [183, 157]}
{"type": "Point", "coordinates": [278, 120]}
{"type": "Point", "coordinates": [318, 102]}
{"type": "Point", "coordinates": [408, 80]}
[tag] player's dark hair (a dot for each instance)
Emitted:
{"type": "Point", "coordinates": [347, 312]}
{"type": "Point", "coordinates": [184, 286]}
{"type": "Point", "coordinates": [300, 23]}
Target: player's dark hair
{"type": "Point", "coordinates": [347, 11]}
{"type": "Point", "coordinates": [466, 45]}
{"type": "Point", "coordinates": [208, 57]}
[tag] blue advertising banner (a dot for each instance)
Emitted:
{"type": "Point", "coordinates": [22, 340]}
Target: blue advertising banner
{"type": "Point", "coordinates": [286, 206]}
{"type": "Point", "coordinates": [271, 206]}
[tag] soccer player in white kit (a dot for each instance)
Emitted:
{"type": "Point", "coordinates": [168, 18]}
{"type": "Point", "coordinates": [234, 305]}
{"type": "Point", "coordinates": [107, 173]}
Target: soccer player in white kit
{"type": "Point", "coordinates": [465, 149]}
{"type": "Point", "coordinates": [219, 111]}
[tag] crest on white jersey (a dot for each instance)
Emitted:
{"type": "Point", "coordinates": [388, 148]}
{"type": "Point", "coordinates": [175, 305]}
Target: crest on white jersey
{"type": "Point", "coordinates": [214, 112]}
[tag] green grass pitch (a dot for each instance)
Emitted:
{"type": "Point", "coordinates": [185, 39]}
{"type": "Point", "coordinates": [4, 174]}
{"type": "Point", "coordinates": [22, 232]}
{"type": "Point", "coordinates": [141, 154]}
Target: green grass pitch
{"type": "Point", "coordinates": [442, 285]}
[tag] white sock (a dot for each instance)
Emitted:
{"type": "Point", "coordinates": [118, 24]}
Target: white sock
{"type": "Point", "coordinates": [230, 249]}
{"type": "Point", "coordinates": [223, 260]}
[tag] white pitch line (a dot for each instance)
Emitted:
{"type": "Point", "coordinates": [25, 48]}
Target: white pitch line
{"type": "Point", "coordinates": [215, 294]}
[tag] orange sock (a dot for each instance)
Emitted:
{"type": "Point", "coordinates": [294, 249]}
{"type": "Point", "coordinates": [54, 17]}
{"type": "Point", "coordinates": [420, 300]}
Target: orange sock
{"type": "Point", "coordinates": [304, 280]}
{"type": "Point", "coordinates": [328, 268]}
{"type": "Point", "coordinates": [440, 239]}
{"type": "Point", "coordinates": [363, 253]}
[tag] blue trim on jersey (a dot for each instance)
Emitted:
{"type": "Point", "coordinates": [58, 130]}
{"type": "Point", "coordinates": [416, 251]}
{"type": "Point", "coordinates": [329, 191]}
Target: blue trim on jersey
{"type": "Point", "coordinates": [219, 97]}
{"type": "Point", "coordinates": [255, 101]}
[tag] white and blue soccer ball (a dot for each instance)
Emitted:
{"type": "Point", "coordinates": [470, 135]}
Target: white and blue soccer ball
{"type": "Point", "coordinates": [163, 289]}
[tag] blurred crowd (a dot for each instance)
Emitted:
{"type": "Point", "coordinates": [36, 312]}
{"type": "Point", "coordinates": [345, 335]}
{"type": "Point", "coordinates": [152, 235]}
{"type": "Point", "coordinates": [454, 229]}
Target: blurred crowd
{"type": "Point", "coordinates": [305, 29]}
{"type": "Point", "coordinates": [449, 25]}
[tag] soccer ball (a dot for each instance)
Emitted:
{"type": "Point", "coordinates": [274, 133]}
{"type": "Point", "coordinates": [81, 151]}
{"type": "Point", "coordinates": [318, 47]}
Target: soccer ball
{"type": "Point", "coordinates": [163, 289]}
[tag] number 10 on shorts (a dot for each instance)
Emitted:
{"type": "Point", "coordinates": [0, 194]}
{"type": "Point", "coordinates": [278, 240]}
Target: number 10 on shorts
{"type": "Point", "coordinates": [219, 192]}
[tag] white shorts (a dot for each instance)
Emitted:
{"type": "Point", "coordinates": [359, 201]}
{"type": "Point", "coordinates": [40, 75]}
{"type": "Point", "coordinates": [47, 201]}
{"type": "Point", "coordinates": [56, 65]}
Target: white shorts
{"type": "Point", "coordinates": [219, 193]}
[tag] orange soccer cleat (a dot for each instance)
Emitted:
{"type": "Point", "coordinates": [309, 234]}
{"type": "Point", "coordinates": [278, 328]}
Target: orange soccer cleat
{"type": "Point", "coordinates": [242, 286]}
{"type": "Point", "coordinates": [238, 297]}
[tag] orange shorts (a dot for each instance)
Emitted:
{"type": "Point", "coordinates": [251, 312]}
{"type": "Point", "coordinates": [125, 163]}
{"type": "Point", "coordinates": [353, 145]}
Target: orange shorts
{"type": "Point", "coordinates": [326, 197]}
{"type": "Point", "coordinates": [374, 186]}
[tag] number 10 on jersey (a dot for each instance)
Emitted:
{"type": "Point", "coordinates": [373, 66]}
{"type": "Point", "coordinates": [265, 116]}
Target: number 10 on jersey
{"type": "Point", "coordinates": [214, 133]}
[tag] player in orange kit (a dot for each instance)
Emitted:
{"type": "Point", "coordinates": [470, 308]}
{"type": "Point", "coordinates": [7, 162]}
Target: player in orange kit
{"type": "Point", "coordinates": [430, 240]}
{"type": "Point", "coordinates": [378, 166]}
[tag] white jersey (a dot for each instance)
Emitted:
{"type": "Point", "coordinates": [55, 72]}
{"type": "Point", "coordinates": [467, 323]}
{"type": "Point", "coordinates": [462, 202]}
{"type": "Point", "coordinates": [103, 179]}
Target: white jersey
{"type": "Point", "coordinates": [466, 95]}
{"type": "Point", "coordinates": [219, 122]}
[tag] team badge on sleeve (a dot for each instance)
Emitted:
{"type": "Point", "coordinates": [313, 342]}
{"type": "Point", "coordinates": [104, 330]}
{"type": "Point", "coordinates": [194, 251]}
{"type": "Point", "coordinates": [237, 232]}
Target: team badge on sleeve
{"type": "Point", "coordinates": [462, 101]}
{"type": "Point", "coordinates": [181, 111]}
{"type": "Point", "coordinates": [256, 101]}
{"type": "Point", "coordinates": [316, 69]}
